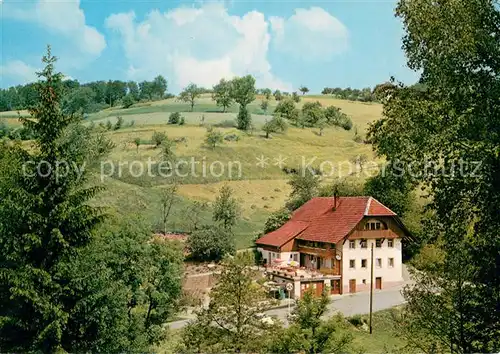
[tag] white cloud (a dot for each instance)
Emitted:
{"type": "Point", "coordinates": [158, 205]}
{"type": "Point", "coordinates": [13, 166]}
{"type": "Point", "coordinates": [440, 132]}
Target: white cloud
{"type": "Point", "coordinates": [64, 18]}
{"type": "Point", "coordinates": [18, 71]}
{"type": "Point", "coordinates": [199, 45]}
{"type": "Point", "coordinates": [310, 34]}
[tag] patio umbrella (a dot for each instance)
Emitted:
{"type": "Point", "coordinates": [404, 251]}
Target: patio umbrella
{"type": "Point", "coordinates": [294, 263]}
{"type": "Point", "coordinates": [278, 260]}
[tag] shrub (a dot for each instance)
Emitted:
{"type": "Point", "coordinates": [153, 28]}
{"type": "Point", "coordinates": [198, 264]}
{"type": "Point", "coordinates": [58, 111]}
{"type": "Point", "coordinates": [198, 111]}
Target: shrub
{"type": "Point", "coordinates": [109, 126]}
{"type": "Point", "coordinates": [128, 101]}
{"type": "Point", "coordinates": [356, 320]}
{"type": "Point", "coordinates": [286, 108]}
{"type": "Point", "coordinates": [132, 123]}
{"type": "Point", "coordinates": [264, 105]}
{"type": "Point", "coordinates": [357, 137]}
{"type": "Point", "coordinates": [182, 121]}
{"type": "Point", "coordinates": [228, 123]}
{"type": "Point", "coordinates": [137, 142]}
{"type": "Point", "coordinates": [280, 124]}
{"type": "Point", "coordinates": [210, 243]}
{"type": "Point", "coordinates": [213, 137]}
{"type": "Point", "coordinates": [174, 118]}
{"type": "Point", "coordinates": [119, 122]}
{"type": "Point", "coordinates": [277, 124]}
{"type": "Point", "coordinates": [4, 129]}
{"type": "Point", "coordinates": [313, 113]}
{"type": "Point", "coordinates": [158, 138]}
{"type": "Point", "coordinates": [244, 119]}
{"type": "Point", "coordinates": [346, 122]}
{"type": "Point", "coordinates": [232, 137]}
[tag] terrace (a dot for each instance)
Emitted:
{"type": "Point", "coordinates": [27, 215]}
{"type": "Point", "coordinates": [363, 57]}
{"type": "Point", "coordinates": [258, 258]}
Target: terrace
{"type": "Point", "coordinates": [302, 273]}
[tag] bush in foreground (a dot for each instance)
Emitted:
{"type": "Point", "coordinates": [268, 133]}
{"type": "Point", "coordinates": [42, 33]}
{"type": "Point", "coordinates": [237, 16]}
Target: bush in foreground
{"type": "Point", "coordinates": [210, 243]}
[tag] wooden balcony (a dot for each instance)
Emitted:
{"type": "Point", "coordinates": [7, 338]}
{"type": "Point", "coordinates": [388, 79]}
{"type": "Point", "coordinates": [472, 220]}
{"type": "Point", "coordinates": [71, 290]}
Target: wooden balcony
{"type": "Point", "coordinates": [330, 271]}
{"type": "Point", "coordinates": [371, 234]}
{"type": "Point", "coordinates": [321, 252]}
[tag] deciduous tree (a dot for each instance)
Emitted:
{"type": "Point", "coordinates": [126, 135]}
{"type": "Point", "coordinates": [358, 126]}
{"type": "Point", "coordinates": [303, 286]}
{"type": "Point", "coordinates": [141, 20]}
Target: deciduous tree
{"type": "Point", "coordinates": [222, 94]}
{"type": "Point", "coordinates": [453, 122]}
{"type": "Point", "coordinates": [190, 94]}
{"type": "Point", "coordinates": [230, 324]}
{"type": "Point", "coordinates": [243, 92]}
{"type": "Point", "coordinates": [309, 333]}
{"type": "Point", "coordinates": [303, 89]}
{"type": "Point", "coordinates": [226, 208]}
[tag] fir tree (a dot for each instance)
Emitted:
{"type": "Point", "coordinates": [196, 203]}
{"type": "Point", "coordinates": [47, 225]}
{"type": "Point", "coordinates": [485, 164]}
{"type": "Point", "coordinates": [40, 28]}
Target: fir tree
{"type": "Point", "coordinates": [44, 220]}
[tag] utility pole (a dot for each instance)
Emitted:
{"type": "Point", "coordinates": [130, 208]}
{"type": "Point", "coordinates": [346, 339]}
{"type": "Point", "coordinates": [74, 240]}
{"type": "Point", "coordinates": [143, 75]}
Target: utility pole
{"type": "Point", "coordinates": [371, 289]}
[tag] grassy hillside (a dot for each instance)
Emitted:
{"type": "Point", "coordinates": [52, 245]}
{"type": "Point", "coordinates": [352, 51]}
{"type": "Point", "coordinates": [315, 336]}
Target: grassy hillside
{"type": "Point", "coordinates": [261, 189]}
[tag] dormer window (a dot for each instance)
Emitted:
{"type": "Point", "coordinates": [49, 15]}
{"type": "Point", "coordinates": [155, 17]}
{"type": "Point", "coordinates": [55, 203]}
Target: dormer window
{"type": "Point", "coordinates": [375, 225]}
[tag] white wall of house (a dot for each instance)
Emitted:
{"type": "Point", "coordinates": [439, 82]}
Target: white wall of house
{"type": "Point", "coordinates": [390, 275]}
{"type": "Point", "coordinates": [269, 256]}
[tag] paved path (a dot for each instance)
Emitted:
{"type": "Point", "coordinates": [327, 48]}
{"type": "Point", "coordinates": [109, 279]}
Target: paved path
{"type": "Point", "coordinates": [348, 305]}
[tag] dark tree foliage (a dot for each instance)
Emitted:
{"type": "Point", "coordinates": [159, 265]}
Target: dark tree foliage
{"type": "Point", "coordinates": [286, 108]}
{"type": "Point", "coordinates": [276, 220]}
{"type": "Point", "coordinates": [448, 130]}
{"type": "Point", "coordinates": [89, 97]}
{"type": "Point", "coordinates": [210, 243]}
{"type": "Point", "coordinates": [44, 221]}
{"type": "Point", "coordinates": [305, 185]}
{"type": "Point", "coordinates": [243, 93]}
{"type": "Point", "coordinates": [312, 113]}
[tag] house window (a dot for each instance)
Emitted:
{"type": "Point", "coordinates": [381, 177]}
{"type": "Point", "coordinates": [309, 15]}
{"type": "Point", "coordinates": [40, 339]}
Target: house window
{"type": "Point", "coordinates": [363, 243]}
{"type": "Point", "coordinates": [391, 262]}
{"type": "Point", "coordinates": [352, 263]}
{"type": "Point", "coordinates": [363, 263]}
{"type": "Point", "coordinates": [378, 262]}
{"type": "Point", "coordinates": [352, 244]}
{"type": "Point", "coordinates": [364, 281]}
{"type": "Point", "coordinates": [296, 257]}
{"type": "Point", "coordinates": [390, 243]}
{"type": "Point", "coordinates": [378, 242]}
{"type": "Point", "coordinates": [374, 225]}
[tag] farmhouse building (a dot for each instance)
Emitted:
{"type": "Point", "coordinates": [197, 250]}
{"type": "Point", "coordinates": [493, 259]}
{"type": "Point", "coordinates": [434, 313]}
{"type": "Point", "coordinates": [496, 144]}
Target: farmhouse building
{"type": "Point", "coordinates": [327, 242]}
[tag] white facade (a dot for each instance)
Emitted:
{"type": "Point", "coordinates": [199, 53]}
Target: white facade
{"type": "Point", "coordinates": [387, 263]}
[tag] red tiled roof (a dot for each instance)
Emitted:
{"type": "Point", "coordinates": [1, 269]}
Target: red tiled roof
{"type": "Point", "coordinates": [317, 221]}
{"type": "Point", "coordinates": [282, 235]}
{"type": "Point", "coordinates": [375, 208]}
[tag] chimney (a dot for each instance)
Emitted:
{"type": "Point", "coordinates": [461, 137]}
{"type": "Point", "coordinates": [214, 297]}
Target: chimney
{"type": "Point", "coordinates": [335, 198]}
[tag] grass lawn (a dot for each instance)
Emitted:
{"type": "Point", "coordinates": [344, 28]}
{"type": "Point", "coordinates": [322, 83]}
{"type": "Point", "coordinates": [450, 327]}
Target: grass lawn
{"type": "Point", "coordinates": [385, 335]}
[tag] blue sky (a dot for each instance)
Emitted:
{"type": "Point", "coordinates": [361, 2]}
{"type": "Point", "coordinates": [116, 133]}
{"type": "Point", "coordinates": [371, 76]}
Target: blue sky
{"type": "Point", "coordinates": [284, 44]}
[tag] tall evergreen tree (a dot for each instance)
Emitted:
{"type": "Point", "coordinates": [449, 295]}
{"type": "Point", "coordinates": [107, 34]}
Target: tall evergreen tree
{"type": "Point", "coordinates": [44, 220]}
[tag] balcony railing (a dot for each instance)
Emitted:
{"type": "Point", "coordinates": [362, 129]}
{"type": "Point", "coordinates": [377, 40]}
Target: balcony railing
{"type": "Point", "coordinates": [330, 271]}
{"type": "Point", "coordinates": [322, 252]}
{"type": "Point", "coordinates": [358, 234]}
